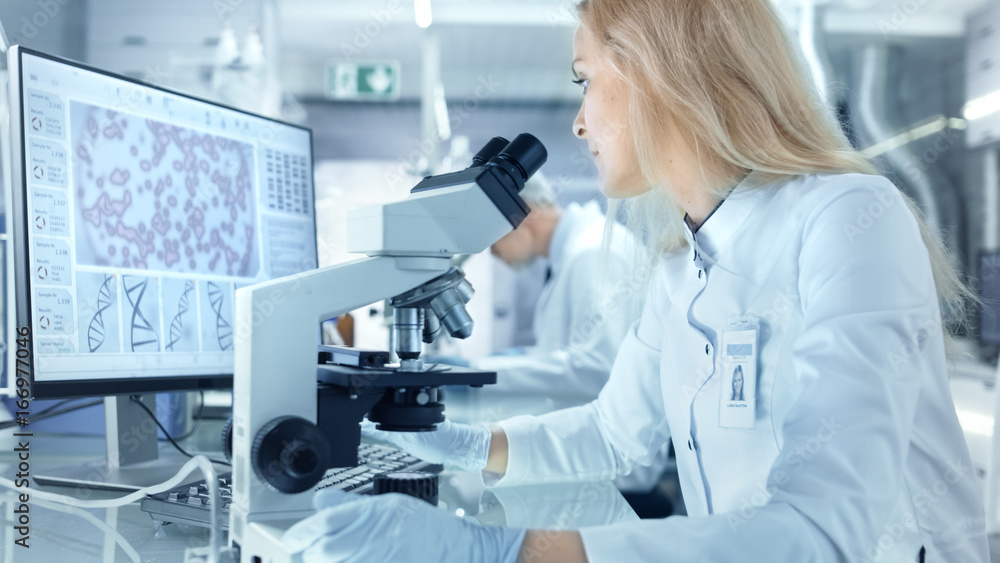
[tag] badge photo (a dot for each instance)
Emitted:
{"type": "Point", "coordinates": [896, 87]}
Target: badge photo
{"type": "Point", "coordinates": [738, 394]}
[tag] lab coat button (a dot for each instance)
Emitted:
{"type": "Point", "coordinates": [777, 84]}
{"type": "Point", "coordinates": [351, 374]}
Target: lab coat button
{"type": "Point", "coordinates": [708, 349]}
{"type": "Point", "coordinates": [699, 274]}
{"type": "Point", "coordinates": [690, 445]}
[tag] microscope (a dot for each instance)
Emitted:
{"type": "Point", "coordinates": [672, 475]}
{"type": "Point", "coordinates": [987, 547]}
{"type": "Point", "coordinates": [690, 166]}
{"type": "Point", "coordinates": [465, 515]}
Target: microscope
{"type": "Point", "coordinates": [297, 408]}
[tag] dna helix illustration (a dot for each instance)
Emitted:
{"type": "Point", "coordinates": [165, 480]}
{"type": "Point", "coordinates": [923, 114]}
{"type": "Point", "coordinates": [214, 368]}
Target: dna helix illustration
{"type": "Point", "coordinates": [177, 323]}
{"type": "Point", "coordinates": [142, 332]}
{"type": "Point", "coordinates": [96, 330]}
{"type": "Point", "coordinates": [223, 330]}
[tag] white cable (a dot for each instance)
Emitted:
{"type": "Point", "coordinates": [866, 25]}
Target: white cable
{"type": "Point", "coordinates": [197, 462]}
{"type": "Point", "coordinates": [115, 534]}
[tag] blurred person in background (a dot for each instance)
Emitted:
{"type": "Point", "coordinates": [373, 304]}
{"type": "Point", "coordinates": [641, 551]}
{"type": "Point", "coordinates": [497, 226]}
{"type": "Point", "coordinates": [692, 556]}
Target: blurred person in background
{"type": "Point", "coordinates": [592, 294]}
{"type": "Point", "coordinates": [585, 307]}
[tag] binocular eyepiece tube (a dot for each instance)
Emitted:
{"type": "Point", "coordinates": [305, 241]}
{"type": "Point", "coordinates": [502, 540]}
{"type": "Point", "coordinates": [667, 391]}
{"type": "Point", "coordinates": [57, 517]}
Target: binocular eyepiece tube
{"type": "Point", "coordinates": [519, 158]}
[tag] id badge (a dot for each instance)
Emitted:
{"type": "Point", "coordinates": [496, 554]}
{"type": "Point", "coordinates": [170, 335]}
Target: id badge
{"type": "Point", "coordinates": [738, 399]}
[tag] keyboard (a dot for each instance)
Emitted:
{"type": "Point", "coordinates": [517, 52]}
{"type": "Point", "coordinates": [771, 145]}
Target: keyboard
{"type": "Point", "coordinates": [189, 504]}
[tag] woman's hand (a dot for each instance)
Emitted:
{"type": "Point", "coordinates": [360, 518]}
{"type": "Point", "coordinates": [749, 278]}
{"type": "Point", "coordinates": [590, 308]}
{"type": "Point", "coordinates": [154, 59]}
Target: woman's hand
{"type": "Point", "coordinates": [461, 446]}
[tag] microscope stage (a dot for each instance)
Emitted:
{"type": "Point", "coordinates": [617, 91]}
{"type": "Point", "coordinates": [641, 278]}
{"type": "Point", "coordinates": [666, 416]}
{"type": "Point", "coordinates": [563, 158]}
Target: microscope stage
{"type": "Point", "coordinates": [434, 375]}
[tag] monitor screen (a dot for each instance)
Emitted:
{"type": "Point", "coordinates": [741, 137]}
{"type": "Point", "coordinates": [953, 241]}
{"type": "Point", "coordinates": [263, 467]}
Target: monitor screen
{"type": "Point", "coordinates": [139, 212]}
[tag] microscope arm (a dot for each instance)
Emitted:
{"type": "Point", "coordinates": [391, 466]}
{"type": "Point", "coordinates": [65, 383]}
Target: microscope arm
{"type": "Point", "coordinates": [275, 351]}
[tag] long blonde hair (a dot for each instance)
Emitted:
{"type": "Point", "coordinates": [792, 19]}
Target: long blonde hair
{"type": "Point", "coordinates": [726, 74]}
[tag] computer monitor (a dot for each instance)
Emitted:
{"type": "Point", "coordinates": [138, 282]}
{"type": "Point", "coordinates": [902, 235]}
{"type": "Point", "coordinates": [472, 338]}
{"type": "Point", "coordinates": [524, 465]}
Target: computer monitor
{"type": "Point", "coordinates": [137, 212]}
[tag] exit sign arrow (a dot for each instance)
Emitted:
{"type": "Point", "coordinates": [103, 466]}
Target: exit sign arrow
{"type": "Point", "coordinates": [368, 81]}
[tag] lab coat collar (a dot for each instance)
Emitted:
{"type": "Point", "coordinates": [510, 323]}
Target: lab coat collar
{"type": "Point", "coordinates": [575, 219]}
{"type": "Point", "coordinates": [728, 217]}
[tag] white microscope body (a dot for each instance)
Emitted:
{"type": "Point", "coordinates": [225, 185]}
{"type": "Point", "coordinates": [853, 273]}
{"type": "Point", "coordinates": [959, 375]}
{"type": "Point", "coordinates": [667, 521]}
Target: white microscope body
{"type": "Point", "coordinates": [408, 243]}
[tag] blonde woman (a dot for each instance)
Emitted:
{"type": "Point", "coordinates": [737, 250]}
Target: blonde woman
{"type": "Point", "coordinates": [737, 394]}
{"type": "Point", "coordinates": [847, 447]}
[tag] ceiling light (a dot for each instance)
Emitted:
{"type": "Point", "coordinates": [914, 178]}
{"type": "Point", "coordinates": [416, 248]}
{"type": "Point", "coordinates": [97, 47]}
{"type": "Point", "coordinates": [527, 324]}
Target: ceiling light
{"type": "Point", "coordinates": [422, 8]}
{"type": "Point", "coordinates": [981, 107]}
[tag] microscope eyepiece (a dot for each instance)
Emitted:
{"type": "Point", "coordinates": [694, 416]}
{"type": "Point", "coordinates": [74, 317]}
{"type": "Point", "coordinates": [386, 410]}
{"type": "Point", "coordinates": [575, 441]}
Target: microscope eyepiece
{"type": "Point", "coordinates": [489, 150]}
{"type": "Point", "coordinates": [527, 153]}
{"type": "Point", "coordinates": [518, 160]}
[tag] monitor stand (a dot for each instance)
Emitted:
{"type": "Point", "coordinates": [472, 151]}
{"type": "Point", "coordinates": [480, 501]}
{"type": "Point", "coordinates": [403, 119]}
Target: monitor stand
{"type": "Point", "coordinates": [133, 459]}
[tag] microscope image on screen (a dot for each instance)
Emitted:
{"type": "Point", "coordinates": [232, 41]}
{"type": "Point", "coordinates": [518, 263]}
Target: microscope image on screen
{"type": "Point", "coordinates": [129, 212]}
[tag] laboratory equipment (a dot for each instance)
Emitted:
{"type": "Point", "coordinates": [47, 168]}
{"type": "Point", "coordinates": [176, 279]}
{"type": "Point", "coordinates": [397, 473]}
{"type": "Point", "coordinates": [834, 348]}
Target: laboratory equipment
{"type": "Point", "coordinates": [189, 503]}
{"type": "Point", "coordinates": [982, 78]}
{"type": "Point", "coordinates": [139, 212]}
{"type": "Point", "coordinates": [418, 484]}
{"type": "Point", "coordinates": [989, 295]}
{"type": "Point", "coordinates": [288, 430]}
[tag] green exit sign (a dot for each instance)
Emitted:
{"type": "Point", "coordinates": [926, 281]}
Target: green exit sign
{"type": "Point", "coordinates": [371, 80]}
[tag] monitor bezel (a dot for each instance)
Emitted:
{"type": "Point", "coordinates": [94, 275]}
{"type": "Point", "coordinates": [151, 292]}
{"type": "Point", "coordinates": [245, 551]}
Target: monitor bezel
{"type": "Point", "coordinates": [19, 247]}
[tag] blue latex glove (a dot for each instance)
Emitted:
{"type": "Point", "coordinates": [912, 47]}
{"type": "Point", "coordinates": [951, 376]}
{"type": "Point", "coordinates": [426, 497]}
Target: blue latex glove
{"type": "Point", "coordinates": [397, 528]}
{"type": "Point", "coordinates": [461, 446]}
{"type": "Point", "coordinates": [457, 361]}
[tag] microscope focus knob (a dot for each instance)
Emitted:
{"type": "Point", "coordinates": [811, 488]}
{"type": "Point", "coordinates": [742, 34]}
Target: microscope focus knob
{"type": "Point", "coordinates": [423, 486]}
{"type": "Point", "coordinates": [227, 439]}
{"type": "Point", "coordinates": [290, 454]}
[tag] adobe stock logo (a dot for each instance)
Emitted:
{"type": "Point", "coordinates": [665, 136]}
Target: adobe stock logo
{"type": "Point", "coordinates": [900, 17]}
{"type": "Point", "coordinates": [883, 200]}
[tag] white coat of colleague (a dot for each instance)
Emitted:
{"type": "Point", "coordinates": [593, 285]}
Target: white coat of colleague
{"type": "Point", "coordinates": [846, 446]}
{"type": "Point", "coordinates": [585, 307]}
{"type": "Point", "coordinates": [591, 296]}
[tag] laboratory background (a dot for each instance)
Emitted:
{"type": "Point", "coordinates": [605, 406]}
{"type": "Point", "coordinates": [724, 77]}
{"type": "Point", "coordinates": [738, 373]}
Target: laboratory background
{"type": "Point", "coordinates": [394, 91]}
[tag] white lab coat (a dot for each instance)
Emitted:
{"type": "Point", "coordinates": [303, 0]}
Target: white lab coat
{"type": "Point", "coordinates": [582, 315]}
{"type": "Point", "coordinates": [856, 455]}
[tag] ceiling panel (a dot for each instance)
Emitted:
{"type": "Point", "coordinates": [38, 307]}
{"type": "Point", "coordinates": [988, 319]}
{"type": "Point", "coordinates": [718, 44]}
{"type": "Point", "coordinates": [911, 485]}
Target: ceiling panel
{"type": "Point", "coordinates": [891, 17]}
{"type": "Point", "coordinates": [523, 45]}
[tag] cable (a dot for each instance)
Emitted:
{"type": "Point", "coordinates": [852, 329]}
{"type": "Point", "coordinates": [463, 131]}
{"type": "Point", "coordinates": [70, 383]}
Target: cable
{"type": "Point", "coordinates": [11, 423]}
{"type": "Point", "coordinates": [113, 533]}
{"type": "Point", "coordinates": [196, 462]}
{"type": "Point", "coordinates": [197, 420]}
{"type": "Point", "coordinates": [135, 398]}
{"type": "Point", "coordinates": [51, 411]}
